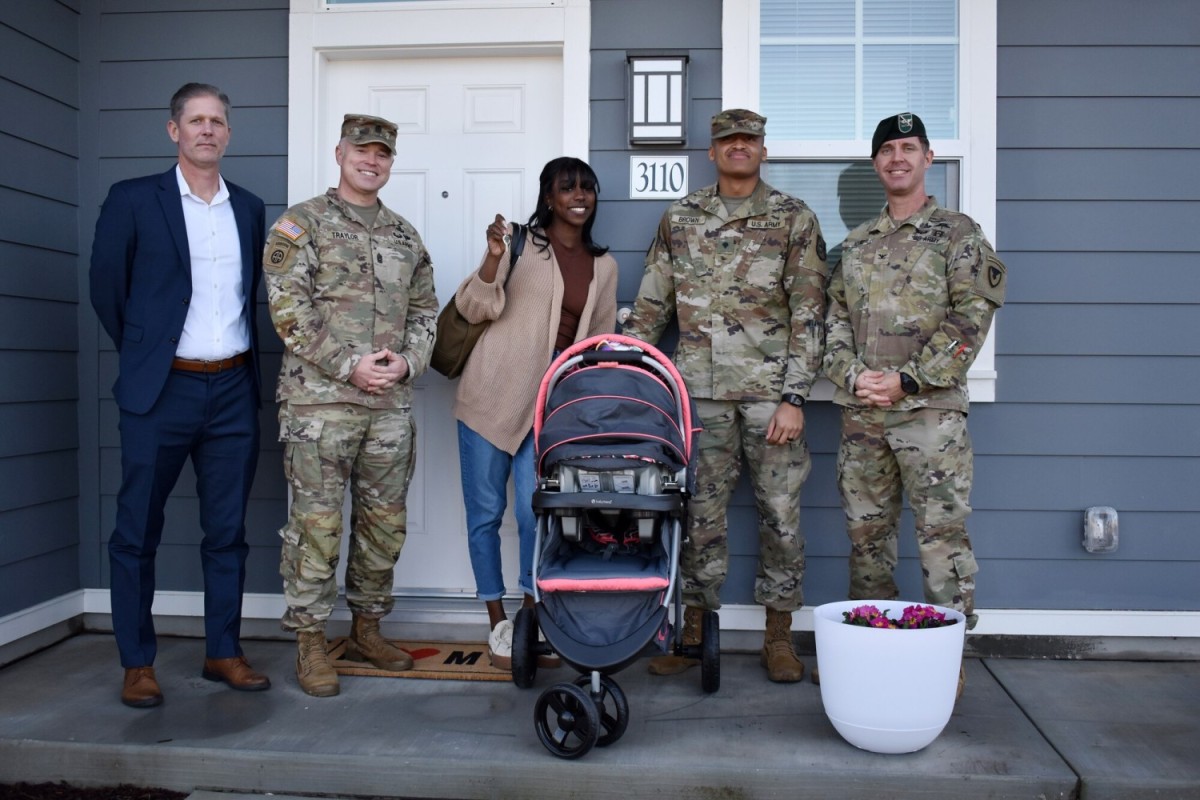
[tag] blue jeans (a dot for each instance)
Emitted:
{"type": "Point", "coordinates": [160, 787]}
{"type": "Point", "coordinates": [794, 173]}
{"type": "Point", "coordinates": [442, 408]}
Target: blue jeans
{"type": "Point", "coordinates": [485, 470]}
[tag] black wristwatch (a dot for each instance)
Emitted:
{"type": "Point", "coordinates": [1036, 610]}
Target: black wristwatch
{"type": "Point", "coordinates": [794, 400]}
{"type": "Point", "coordinates": [908, 383]}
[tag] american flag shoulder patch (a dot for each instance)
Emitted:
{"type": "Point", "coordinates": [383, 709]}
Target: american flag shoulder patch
{"type": "Point", "coordinates": [289, 229]}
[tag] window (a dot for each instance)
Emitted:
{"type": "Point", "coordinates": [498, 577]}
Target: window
{"type": "Point", "coordinates": [824, 72]}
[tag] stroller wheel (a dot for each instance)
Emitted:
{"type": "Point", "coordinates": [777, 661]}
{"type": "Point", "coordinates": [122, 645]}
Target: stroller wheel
{"type": "Point", "coordinates": [524, 660]}
{"type": "Point", "coordinates": [566, 720]}
{"type": "Point", "coordinates": [611, 705]}
{"type": "Point", "coordinates": [710, 652]}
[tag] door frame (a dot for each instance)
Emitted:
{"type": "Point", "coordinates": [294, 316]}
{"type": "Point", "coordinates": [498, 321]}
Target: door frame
{"type": "Point", "coordinates": [319, 34]}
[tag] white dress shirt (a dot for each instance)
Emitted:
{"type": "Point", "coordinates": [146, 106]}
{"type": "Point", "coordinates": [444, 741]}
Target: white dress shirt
{"type": "Point", "coordinates": [215, 327]}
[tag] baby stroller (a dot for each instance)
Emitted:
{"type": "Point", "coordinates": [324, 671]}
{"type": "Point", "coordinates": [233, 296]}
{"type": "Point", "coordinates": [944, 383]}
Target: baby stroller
{"type": "Point", "coordinates": [613, 432]}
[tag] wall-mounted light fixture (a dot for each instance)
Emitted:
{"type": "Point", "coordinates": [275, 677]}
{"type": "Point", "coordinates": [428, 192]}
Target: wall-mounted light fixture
{"type": "Point", "coordinates": [657, 97]}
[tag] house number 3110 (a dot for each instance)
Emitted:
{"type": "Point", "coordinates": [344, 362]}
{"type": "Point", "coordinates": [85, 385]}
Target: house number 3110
{"type": "Point", "coordinates": [657, 177]}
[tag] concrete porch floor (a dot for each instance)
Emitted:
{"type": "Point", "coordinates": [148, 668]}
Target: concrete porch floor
{"type": "Point", "coordinates": [1023, 729]}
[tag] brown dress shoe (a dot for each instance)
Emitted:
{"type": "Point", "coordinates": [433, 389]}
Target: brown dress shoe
{"type": "Point", "coordinates": [236, 672]}
{"type": "Point", "coordinates": [141, 689]}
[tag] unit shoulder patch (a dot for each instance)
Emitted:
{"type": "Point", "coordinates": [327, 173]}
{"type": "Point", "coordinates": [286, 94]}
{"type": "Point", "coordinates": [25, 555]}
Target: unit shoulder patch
{"type": "Point", "coordinates": [279, 254]}
{"type": "Point", "coordinates": [991, 281]}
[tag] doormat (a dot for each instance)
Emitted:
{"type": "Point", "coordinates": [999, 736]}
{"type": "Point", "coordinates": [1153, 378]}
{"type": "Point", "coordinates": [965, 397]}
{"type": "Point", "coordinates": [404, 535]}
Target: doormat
{"type": "Point", "coordinates": [455, 661]}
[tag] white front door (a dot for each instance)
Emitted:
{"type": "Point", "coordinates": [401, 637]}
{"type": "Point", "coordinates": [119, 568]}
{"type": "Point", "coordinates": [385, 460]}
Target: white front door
{"type": "Point", "coordinates": [473, 136]}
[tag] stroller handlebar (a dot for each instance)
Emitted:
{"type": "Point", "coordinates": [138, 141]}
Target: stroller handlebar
{"type": "Point", "coordinates": [593, 357]}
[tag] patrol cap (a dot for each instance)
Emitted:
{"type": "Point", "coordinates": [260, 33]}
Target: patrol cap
{"type": "Point", "coordinates": [361, 129]}
{"type": "Point", "coordinates": [738, 120]}
{"type": "Point", "coordinates": [901, 126]}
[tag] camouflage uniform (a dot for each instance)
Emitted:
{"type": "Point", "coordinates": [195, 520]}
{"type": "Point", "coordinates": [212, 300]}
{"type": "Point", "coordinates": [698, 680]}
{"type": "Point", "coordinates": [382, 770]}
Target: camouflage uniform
{"type": "Point", "coordinates": [915, 297]}
{"type": "Point", "coordinates": [747, 288]}
{"type": "Point", "coordinates": [339, 290]}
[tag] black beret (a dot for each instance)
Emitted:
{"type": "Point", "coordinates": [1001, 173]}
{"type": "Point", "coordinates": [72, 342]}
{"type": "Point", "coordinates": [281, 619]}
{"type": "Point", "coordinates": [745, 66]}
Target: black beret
{"type": "Point", "coordinates": [901, 126]}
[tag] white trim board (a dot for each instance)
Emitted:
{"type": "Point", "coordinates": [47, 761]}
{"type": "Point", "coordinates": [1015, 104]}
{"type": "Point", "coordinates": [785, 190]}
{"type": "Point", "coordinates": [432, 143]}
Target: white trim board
{"type": "Point", "coordinates": [994, 621]}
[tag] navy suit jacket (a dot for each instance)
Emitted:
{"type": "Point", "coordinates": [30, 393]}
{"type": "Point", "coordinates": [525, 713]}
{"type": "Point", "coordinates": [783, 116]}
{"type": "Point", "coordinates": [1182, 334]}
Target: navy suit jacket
{"type": "Point", "coordinates": [141, 279]}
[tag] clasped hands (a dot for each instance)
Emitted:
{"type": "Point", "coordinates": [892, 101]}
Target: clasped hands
{"type": "Point", "coordinates": [375, 373]}
{"type": "Point", "coordinates": [878, 388]}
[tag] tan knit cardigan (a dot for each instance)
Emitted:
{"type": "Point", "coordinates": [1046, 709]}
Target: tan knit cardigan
{"type": "Point", "coordinates": [499, 385]}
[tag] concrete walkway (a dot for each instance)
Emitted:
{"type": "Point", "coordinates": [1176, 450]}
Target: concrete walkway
{"type": "Point", "coordinates": [1023, 729]}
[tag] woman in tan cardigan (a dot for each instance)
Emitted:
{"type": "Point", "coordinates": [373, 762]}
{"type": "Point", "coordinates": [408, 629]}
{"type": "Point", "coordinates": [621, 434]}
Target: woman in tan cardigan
{"type": "Point", "coordinates": [563, 288]}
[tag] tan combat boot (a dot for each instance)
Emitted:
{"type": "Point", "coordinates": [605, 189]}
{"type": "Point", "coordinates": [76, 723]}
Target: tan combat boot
{"type": "Point", "coordinates": [366, 643]}
{"type": "Point", "coordinates": [777, 654]}
{"type": "Point", "coordinates": [673, 664]}
{"type": "Point", "coordinates": [313, 670]}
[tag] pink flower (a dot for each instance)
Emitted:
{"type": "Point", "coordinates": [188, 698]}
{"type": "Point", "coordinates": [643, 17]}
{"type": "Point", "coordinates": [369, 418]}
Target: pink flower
{"type": "Point", "coordinates": [913, 618]}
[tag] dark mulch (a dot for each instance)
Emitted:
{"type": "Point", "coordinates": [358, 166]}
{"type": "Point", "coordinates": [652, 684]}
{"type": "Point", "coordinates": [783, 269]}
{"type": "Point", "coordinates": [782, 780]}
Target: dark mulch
{"type": "Point", "coordinates": [63, 791]}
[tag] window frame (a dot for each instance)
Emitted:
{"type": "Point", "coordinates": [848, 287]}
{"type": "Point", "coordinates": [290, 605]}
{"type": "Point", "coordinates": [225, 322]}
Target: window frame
{"type": "Point", "coordinates": [974, 150]}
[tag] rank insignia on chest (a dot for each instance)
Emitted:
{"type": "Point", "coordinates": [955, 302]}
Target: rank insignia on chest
{"type": "Point", "coordinates": [929, 235]}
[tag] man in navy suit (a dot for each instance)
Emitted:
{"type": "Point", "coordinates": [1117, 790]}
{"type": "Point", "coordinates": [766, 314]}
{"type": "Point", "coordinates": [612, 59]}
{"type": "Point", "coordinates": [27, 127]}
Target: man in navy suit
{"type": "Point", "coordinates": [176, 263]}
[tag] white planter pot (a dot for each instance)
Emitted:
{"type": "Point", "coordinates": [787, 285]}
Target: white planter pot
{"type": "Point", "coordinates": [887, 691]}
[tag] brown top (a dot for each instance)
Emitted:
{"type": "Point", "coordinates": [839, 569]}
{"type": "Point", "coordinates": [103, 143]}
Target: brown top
{"type": "Point", "coordinates": [576, 267]}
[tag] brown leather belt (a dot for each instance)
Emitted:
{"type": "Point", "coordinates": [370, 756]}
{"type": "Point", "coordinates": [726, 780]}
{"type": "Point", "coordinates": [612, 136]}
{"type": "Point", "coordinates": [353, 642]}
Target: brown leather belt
{"type": "Point", "coordinates": [192, 365]}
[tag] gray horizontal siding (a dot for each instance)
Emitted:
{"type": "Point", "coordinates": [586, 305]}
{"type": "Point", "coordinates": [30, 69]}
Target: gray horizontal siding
{"type": "Point", "coordinates": [38, 222]}
{"type": "Point", "coordinates": [33, 170]}
{"type": "Point", "coordinates": [1055, 482]}
{"type": "Point", "coordinates": [42, 577]}
{"type": "Point", "coordinates": [57, 526]}
{"type": "Point", "coordinates": [45, 377]}
{"type": "Point", "coordinates": [143, 6]}
{"type": "Point", "coordinates": [45, 24]}
{"type": "Point", "coordinates": [42, 427]}
{"type": "Point", "coordinates": [37, 66]}
{"type": "Point", "coordinates": [39, 245]}
{"type": "Point", "coordinates": [35, 324]}
{"type": "Point", "coordinates": [1096, 71]}
{"type": "Point", "coordinates": [1048, 174]}
{"type": "Point", "coordinates": [1088, 225]}
{"type": "Point", "coordinates": [1111, 122]}
{"type": "Point", "coordinates": [196, 33]}
{"type": "Point", "coordinates": [1066, 23]}
{"type": "Point", "coordinates": [38, 273]}
{"type": "Point", "coordinates": [31, 480]}
{"type": "Point", "coordinates": [144, 84]}
{"type": "Point", "coordinates": [1089, 276]}
{"type": "Point", "coordinates": [1115, 329]}
{"type": "Point", "coordinates": [1081, 379]}
{"type": "Point", "coordinates": [47, 122]}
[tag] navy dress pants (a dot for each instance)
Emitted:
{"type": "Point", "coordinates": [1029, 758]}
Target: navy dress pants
{"type": "Point", "coordinates": [213, 418]}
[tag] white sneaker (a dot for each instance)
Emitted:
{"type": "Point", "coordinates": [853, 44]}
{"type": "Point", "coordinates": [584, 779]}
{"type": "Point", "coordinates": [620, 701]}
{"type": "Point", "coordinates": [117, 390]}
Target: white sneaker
{"type": "Point", "coordinates": [500, 645]}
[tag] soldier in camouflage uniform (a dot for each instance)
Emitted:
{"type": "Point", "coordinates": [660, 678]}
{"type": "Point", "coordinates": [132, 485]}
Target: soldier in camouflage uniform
{"type": "Point", "coordinates": [352, 297]}
{"type": "Point", "coordinates": [910, 305]}
{"type": "Point", "coordinates": [742, 268]}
